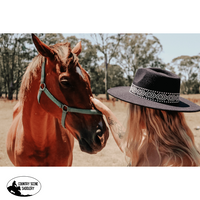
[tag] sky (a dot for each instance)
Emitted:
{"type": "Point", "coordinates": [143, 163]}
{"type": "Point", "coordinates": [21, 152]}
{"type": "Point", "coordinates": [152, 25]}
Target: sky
{"type": "Point", "coordinates": [174, 44]}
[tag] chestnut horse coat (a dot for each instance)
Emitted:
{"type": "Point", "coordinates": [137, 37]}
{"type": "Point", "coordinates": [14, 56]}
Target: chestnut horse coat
{"type": "Point", "coordinates": [36, 136]}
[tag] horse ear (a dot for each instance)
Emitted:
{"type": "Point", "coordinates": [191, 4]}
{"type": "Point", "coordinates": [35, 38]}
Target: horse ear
{"type": "Point", "coordinates": [77, 49]}
{"type": "Point", "coordinates": [42, 48]}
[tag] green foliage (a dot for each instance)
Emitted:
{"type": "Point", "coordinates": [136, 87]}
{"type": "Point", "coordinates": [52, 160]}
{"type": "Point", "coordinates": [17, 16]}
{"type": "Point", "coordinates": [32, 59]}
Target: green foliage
{"type": "Point", "coordinates": [52, 38]}
{"type": "Point", "coordinates": [188, 67]}
{"type": "Point", "coordinates": [97, 76]}
{"type": "Point", "coordinates": [116, 76]}
{"type": "Point", "coordinates": [14, 56]}
{"type": "Point", "coordinates": [139, 51]}
{"type": "Point", "coordinates": [108, 46]}
{"type": "Point", "coordinates": [191, 86]}
{"type": "Point", "coordinates": [16, 51]}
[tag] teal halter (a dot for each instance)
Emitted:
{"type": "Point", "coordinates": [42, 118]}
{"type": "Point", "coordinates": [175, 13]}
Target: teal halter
{"type": "Point", "coordinates": [65, 108]}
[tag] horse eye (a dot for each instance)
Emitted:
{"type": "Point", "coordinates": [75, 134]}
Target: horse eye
{"type": "Point", "coordinates": [65, 82]}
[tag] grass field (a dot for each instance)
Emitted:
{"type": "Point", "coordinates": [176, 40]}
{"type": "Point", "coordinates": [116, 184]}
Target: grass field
{"type": "Point", "coordinates": [110, 155]}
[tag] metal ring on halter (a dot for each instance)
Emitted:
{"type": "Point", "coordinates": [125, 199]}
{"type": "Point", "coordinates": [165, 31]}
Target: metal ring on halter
{"type": "Point", "coordinates": [64, 108]}
{"type": "Point", "coordinates": [44, 86]}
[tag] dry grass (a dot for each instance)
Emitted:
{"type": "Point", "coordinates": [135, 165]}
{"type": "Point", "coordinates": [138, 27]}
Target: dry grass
{"type": "Point", "coordinates": [110, 155]}
{"type": "Point", "coordinates": [6, 108]}
{"type": "Point", "coordinates": [192, 97]}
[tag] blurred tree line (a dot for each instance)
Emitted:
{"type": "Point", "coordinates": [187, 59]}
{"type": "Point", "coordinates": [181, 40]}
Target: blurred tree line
{"type": "Point", "coordinates": [188, 70]}
{"type": "Point", "coordinates": [16, 52]}
{"type": "Point", "coordinates": [110, 59]}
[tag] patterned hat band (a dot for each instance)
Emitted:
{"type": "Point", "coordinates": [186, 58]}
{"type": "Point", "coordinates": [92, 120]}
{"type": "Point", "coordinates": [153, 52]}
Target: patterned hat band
{"type": "Point", "coordinates": [152, 95]}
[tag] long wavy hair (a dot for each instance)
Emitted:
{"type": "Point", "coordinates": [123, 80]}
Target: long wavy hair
{"type": "Point", "coordinates": [167, 131]}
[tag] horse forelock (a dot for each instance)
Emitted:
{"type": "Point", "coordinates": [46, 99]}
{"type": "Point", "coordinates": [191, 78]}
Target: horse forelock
{"type": "Point", "coordinates": [63, 50]}
{"type": "Point", "coordinates": [64, 54]}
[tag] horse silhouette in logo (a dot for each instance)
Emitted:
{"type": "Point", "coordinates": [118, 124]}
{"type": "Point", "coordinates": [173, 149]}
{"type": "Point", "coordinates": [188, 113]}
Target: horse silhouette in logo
{"type": "Point", "coordinates": [14, 189]}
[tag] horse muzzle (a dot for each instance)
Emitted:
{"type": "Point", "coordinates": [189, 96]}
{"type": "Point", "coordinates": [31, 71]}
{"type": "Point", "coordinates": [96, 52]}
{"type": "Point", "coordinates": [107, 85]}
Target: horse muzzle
{"type": "Point", "coordinates": [97, 140]}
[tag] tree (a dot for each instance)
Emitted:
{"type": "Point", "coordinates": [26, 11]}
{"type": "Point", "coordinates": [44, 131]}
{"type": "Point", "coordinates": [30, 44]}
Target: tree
{"type": "Point", "coordinates": [97, 75]}
{"type": "Point", "coordinates": [191, 86]}
{"type": "Point", "coordinates": [139, 51]}
{"type": "Point", "coordinates": [116, 76]}
{"type": "Point", "coordinates": [188, 67]}
{"type": "Point", "coordinates": [108, 45]}
{"type": "Point", "coordinates": [16, 52]}
{"type": "Point", "coordinates": [52, 38]}
{"type": "Point", "coordinates": [8, 48]}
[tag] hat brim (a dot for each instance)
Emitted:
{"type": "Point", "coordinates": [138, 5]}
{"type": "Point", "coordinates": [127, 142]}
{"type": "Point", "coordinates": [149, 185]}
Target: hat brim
{"type": "Point", "coordinates": [123, 94]}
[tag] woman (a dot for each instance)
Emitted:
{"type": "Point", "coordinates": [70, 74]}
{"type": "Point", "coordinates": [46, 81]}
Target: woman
{"type": "Point", "coordinates": [157, 133]}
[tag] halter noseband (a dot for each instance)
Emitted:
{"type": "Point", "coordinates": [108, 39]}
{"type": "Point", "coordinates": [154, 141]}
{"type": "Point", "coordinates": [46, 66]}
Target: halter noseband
{"type": "Point", "coordinates": [65, 108]}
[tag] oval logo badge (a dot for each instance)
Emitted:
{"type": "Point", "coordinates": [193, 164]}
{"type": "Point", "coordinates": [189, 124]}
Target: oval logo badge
{"type": "Point", "coordinates": [24, 186]}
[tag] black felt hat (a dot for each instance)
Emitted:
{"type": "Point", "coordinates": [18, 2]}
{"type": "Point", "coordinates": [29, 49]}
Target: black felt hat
{"type": "Point", "coordinates": [155, 88]}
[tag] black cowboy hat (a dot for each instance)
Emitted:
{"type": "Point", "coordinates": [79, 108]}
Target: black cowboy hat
{"type": "Point", "coordinates": [155, 88]}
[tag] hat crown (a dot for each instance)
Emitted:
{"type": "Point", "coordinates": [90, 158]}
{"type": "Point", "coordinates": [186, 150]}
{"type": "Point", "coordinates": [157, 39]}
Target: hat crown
{"type": "Point", "coordinates": [157, 79]}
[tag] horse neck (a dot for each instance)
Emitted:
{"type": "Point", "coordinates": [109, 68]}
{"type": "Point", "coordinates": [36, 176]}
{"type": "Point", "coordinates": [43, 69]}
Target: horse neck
{"type": "Point", "coordinates": [37, 123]}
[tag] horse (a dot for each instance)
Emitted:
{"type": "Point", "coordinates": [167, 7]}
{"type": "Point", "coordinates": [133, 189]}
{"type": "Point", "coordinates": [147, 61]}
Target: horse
{"type": "Point", "coordinates": [54, 108]}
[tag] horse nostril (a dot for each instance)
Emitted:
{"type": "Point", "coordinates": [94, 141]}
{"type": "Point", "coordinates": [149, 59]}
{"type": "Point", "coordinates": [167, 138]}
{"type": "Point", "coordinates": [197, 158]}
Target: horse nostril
{"type": "Point", "coordinates": [99, 138]}
{"type": "Point", "coordinates": [99, 132]}
{"type": "Point", "coordinates": [99, 129]}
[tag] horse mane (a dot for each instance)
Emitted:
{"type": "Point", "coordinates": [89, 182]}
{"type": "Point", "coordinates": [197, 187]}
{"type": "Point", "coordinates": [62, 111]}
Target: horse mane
{"type": "Point", "coordinates": [34, 68]}
{"type": "Point", "coordinates": [30, 74]}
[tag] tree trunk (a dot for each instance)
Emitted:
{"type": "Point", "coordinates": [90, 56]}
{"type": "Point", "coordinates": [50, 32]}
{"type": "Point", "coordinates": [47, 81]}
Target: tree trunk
{"type": "Point", "coordinates": [106, 78]}
{"type": "Point", "coordinates": [17, 86]}
{"type": "Point", "coordinates": [5, 76]}
{"type": "Point", "coordinates": [11, 86]}
{"type": "Point", "coordinates": [10, 91]}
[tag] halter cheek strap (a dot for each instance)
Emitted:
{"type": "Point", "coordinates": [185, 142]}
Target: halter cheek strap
{"type": "Point", "coordinates": [65, 108]}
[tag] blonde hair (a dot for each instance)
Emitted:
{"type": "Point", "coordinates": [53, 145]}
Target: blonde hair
{"type": "Point", "coordinates": [167, 131]}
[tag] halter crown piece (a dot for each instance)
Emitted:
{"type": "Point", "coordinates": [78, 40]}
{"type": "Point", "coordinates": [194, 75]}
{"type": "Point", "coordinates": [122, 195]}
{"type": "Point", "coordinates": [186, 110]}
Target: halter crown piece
{"type": "Point", "coordinates": [65, 108]}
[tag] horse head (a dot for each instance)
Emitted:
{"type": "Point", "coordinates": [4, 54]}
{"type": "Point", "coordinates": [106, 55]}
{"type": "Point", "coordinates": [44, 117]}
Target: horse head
{"type": "Point", "coordinates": [69, 83]}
